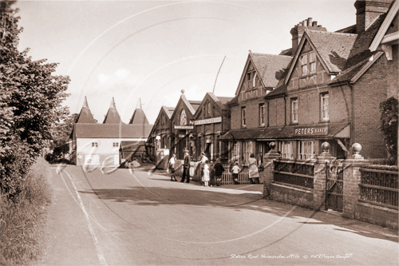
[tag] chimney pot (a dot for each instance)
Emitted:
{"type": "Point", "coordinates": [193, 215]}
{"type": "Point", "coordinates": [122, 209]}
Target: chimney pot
{"type": "Point", "coordinates": [314, 24]}
{"type": "Point", "coordinates": [309, 21]}
{"type": "Point", "coordinates": [305, 23]}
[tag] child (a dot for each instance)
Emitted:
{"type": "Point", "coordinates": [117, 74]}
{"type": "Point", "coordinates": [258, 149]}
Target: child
{"type": "Point", "coordinates": [172, 163]}
{"type": "Point", "coordinates": [206, 177]}
{"type": "Point", "coordinates": [236, 170]}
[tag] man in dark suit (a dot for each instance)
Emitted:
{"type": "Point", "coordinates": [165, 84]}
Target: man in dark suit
{"type": "Point", "coordinates": [186, 167]}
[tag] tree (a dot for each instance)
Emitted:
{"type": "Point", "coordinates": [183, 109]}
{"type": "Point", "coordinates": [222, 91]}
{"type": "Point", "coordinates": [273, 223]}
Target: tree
{"type": "Point", "coordinates": [389, 125]}
{"type": "Point", "coordinates": [30, 101]}
{"type": "Point", "coordinates": [60, 134]}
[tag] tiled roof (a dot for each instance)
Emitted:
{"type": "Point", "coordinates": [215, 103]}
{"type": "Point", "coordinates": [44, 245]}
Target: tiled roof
{"type": "Point", "coordinates": [169, 111]}
{"type": "Point", "coordinates": [111, 131]}
{"type": "Point", "coordinates": [365, 38]}
{"type": "Point", "coordinates": [138, 118]}
{"type": "Point", "coordinates": [195, 104]}
{"type": "Point", "coordinates": [131, 146]}
{"type": "Point", "coordinates": [333, 47]}
{"type": "Point", "coordinates": [112, 116]}
{"type": "Point", "coordinates": [267, 65]}
{"type": "Point", "coordinates": [224, 100]}
{"type": "Point", "coordinates": [233, 101]}
{"type": "Point", "coordinates": [277, 92]}
{"type": "Point", "coordinates": [85, 115]}
{"type": "Point", "coordinates": [360, 53]}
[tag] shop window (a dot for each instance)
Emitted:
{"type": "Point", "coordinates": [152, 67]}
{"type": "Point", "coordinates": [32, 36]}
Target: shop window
{"type": "Point", "coordinates": [243, 117]}
{"type": "Point", "coordinates": [286, 149]}
{"type": "Point", "coordinates": [262, 114]}
{"type": "Point", "coordinates": [294, 110]}
{"type": "Point", "coordinates": [305, 150]}
{"type": "Point", "coordinates": [324, 107]}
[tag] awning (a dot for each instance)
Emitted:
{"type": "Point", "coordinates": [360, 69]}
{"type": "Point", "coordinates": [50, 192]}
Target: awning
{"type": "Point", "coordinates": [259, 134]}
{"type": "Point", "coordinates": [318, 131]}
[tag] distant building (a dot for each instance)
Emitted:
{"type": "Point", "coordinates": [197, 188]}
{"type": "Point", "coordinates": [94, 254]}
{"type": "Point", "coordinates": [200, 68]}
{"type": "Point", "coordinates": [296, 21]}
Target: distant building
{"type": "Point", "coordinates": [96, 144]}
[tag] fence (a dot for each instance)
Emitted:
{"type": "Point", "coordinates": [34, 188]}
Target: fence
{"type": "Point", "coordinates": [379, 187]}
{"type": "Point", "coordinates": [294, 173]}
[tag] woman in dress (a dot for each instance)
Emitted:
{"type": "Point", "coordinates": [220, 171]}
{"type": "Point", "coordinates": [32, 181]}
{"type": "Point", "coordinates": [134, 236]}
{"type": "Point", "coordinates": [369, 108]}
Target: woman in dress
{"type": "Point", "coordinates": [253, 170]}
{"type": "Point", "coordinates": [206, 176]}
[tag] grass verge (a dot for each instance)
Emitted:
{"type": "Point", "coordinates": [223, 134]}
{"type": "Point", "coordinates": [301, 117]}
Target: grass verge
{"type": "Point", "coordinates": [23, 220]}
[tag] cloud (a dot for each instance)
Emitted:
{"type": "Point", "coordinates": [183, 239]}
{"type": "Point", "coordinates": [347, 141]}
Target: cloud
{"type": "Point", "coordinates": [121, 77]}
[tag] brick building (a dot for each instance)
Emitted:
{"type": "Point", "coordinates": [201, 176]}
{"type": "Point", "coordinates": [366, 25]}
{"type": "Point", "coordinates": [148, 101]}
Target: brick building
{"type": "Point", "coordinates": [161, 133]}
{"type": "Point", "coordinates": [211, 120]}
{"type": "Point", "coordinates": [334, 84]}
{"type": "Point", "coordinates": [249, 112]}
{"type": "Point", "coordinates": [182, 127]}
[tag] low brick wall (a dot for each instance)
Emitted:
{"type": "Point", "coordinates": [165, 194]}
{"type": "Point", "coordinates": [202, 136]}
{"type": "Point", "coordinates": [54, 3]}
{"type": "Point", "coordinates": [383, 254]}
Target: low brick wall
{"type": "Point", "coordinates": [377, 215]}
{"type": "Point", "coordinates": [292, 195]}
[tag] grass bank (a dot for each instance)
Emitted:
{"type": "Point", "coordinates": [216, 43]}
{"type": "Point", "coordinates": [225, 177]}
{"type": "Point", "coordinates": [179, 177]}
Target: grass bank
{"type": "Point", "coordinates": [23, 220]}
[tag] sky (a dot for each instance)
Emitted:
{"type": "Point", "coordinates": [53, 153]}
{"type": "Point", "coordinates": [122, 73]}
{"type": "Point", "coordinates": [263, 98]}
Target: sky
{"type": "Point", "coordinates": [150, 51]}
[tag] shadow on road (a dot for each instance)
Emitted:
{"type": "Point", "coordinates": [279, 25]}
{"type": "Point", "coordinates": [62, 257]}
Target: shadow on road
{"type": "Point", "coordinates": [238, 200]}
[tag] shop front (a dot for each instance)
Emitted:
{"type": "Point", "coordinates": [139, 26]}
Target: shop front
{"type": "Point", "coordinates": [304, 142]}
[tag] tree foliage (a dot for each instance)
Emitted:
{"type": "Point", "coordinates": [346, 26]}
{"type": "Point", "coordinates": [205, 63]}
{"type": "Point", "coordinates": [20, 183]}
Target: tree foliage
{"type": "Point", "coordinates": [30, 102]}
{"type": "Point", "coordinates": [389, 125]}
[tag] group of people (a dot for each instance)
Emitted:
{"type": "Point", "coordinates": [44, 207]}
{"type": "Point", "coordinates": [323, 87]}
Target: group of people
{"type": "Point", "coordinates": [217, 167]}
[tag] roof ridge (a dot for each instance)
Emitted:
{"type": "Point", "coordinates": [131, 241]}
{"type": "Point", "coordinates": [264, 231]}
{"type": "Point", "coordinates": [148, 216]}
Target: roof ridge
{"type": "Point", "coordinates": [277, 55]}
{"type": "Point", "coordinates": [333, 32]}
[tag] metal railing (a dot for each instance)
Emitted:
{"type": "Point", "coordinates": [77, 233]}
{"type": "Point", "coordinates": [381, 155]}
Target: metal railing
{"type": "Point", "coordinates": [294, 173]}
{"type": "Point", "coordinates": [379, 187]}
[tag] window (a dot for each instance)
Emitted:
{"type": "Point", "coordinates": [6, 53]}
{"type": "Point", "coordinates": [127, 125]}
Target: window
{"type": "Point", "coordinates": [304, 63]}
{"type": "Point", "coordinates": [324, 107]}
{"type": "Point", "coordinates": [312, 62]}
{"type": "Point", "coordinates": [209, 109]}
{"type": "Point", "coordinates": [308, 63]}
{"type": "Point", "coordinates": [286, 150]}
{"type": "Point", "coordinates": [115, 144]}
{"type": "Point", "coordinates": [183, 118]}
{"type": "Point", "coordinates": [243, 118]}
{"type": "Point", "coordinates": [306, 149]}
{"type": "Point", "coordinates": [254, 81]}
{"type": "Point", "coordinates": [294, 110]}
{"type": "Point", "coordinates": [262, 114]}
{"type": "Point", "coordinates": [94, 144]}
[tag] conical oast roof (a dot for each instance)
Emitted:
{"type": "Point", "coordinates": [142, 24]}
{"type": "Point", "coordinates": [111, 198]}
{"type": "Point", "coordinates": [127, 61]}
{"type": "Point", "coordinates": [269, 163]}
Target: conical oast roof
{"type": "Point", "coordinates": [85, 115]}
{"type": "Point", "coordinates": [139, 118]}
{"type": "Point", "coordinates": [112, 116]}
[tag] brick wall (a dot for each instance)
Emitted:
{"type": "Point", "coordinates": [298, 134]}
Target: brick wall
{"type": "Point", "coordinates": [369, 91]}
{"type": "Point", "coordinates": [252, 113]}
{"type": "Point", "coordinates": [392, 73]}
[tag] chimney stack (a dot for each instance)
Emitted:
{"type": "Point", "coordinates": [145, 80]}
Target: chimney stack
{"type": "Point", "coordinates": [368, 10]}
{"type": "Point", "coordinates": [298, 30]}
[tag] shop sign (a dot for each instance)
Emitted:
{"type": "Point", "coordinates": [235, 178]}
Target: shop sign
{"type": "Point", "coordinates": [311, 131]}
{"type": "Point", "coordinates": [208, 121]}
{"type": "Point", "coordinates": [184, 127]}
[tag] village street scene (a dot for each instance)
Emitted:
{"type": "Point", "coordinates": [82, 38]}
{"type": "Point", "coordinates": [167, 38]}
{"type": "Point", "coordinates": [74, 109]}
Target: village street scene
{"type": "Point", "coordinates": [194, 133]}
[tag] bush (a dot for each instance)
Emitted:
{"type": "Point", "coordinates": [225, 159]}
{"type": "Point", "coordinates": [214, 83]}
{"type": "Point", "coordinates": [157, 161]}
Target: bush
{"type": "Point", "coordinates": [23, 219]}
{"type": "Point", "coordinates": [389, 125]}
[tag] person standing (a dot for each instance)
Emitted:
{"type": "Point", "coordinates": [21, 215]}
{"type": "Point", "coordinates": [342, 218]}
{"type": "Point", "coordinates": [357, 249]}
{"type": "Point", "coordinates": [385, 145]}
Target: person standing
{"type": "Point", "coordinates": [253, 170]}
{"type": "Point", "coordinates": [219, 169]}
{"type": "Point", "coordinates": [186, 168]}
{"type": "Point", "coordinates": [172, 163]}
{"type": "Point", "coordinates": [202, 163]}
{"type": "Point", "coordinates": [235, 171]}
{"type": "Point", "coordinates": [206, 176]}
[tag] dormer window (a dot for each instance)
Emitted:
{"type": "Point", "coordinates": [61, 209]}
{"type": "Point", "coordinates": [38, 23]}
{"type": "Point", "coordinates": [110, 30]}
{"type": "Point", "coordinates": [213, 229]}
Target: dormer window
{"type": "Point", "coordinates": [254, 81]}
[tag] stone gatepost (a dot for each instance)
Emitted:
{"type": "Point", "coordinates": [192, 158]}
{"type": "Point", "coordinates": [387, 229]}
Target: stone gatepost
{"type": "Point", "coordinates": [319, 181]}
{"type": "Point", "coordinates": [268, 167]}
{"type": "Point", "coordinates": [351, 180]}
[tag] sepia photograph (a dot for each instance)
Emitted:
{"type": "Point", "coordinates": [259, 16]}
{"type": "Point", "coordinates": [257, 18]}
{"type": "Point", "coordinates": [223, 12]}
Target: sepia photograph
{"type": "Point", "coordinates": [199, 132]}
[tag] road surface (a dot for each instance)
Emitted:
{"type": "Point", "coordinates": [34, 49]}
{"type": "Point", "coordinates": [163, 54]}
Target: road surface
{"type": "Point", "coordinates": [142, 218]}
